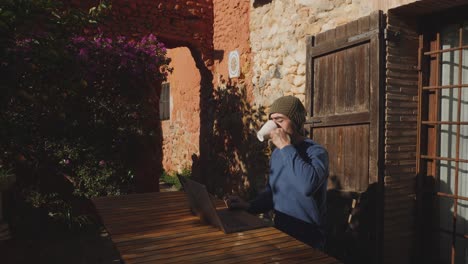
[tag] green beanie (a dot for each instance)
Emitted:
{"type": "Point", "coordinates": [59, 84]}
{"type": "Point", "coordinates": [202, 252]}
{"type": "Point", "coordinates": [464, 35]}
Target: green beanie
{"type": "Point", "coordinates": [291, 107]}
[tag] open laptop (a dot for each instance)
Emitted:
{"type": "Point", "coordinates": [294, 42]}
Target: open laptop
{"type": "Point", "coordinates": [229, 221]}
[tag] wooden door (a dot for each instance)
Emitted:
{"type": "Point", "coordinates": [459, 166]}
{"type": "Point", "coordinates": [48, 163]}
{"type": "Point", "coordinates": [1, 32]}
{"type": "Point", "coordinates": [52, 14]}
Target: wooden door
{"type": "Point", "coordinates": [344, 103]}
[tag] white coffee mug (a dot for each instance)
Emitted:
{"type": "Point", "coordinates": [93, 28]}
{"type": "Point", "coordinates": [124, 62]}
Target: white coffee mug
{"type": "Point", "coordinates": [265, 130]}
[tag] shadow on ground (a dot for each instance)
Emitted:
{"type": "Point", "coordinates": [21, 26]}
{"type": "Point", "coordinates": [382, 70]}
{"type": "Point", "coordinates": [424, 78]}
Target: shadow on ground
{"type": "Point", "coordinates": [49, 246]}
{"type": "Point", "coordinates": [81, 247]}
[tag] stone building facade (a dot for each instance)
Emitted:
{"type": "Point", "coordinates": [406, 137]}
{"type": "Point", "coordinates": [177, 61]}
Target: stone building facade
{"type": "Point", "coordinates": [272, 38]}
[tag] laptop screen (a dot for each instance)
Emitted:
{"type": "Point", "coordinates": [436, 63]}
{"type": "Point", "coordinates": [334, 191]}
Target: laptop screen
{"type": "Point", "coordinates": [201, 202]}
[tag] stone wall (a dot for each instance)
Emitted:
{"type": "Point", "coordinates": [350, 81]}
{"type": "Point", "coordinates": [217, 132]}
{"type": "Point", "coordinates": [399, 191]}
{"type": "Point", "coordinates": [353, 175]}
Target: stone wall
{"type": "Point", "coordinates": [278, 39]}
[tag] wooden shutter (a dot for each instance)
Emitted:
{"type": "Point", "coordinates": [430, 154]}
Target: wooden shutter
{"type": "Point", "coordinates": [344, 102]}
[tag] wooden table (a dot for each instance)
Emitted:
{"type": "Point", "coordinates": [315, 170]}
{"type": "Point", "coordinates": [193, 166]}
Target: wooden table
{"type": "Point", "coordinates": [159, 228]}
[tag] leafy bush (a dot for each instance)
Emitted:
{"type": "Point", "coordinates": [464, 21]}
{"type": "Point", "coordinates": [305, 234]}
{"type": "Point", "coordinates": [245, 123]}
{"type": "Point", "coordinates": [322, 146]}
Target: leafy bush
{"type": "Point", "coordinates": [172, 177]}
{"type": "Point", "coordinates": [74, 109]}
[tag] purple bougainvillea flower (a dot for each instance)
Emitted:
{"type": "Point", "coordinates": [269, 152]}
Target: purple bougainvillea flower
{"type": "Point", "coordinates": [78, 40]}
{"type": "Point", "coordinates": [83, 53]}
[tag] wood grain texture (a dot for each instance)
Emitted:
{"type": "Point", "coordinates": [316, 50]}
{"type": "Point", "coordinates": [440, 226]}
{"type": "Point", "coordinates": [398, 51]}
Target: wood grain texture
{"type": "Point", "coordinates": [159, 228]}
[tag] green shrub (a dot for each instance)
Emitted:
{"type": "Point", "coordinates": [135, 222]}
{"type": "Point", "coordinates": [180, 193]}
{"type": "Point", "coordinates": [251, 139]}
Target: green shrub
{"type": "Point", "coordinates": [74, 109]}
{"type": "Point", "coordinates": [172, 177]}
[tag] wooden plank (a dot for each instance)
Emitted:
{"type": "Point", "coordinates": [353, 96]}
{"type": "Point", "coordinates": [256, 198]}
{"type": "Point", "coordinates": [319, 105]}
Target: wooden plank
{"type": "Point", "coordinates": [400, 148]}
{"type": "Point", "coordinates": [152, 211]}
{"type": "Point", "coordinates": [342, 85]}
{"type": "Point", "coordinates": [166, 234]}
{"type": "Point", "coordinates": [400, 155]}
{"type": "Point", "coordinates": [361, 169]}
{"type": "Point", "coordinates": [352, 28]}
{"type": "Point", "coordinates": [170, 250]}
{"type": "Point", "coordinates": [339, 44]}
{"type": "Point", "coordinates": [197, 240]}
{"type": "Point", "coordinates": [403, 111]}
{"type": "Point", "coordinates": [362, 91]}
{"type": "Point", "coordinates": [347, 147]}
{"type": "Point", "coordinates": [375, 109]}
{"type": "Point", "coordinates": [341, 32]}
{"type": "Point", "coordinates": [329, 143]}
{"type": "Point", "coordinates": [327, 35]}
{"type": "Point", "coordinates": [129, 208]}
{"type": "Point", "coordinates": [126, 227]}
{"type": "Point", "coordinates": [317, 91]}
{"type": "Point", "coordinates": [264, 251]}
{"type": "Point", "coordinates": [376, 127]}
{"type": "Point", "coordinates": [364, 24]}
{"type": "Point", "coordinates": [297, 256]}
{"type": "Point", "coordinates": [223, 252]}
{"type": "Point", "coordinates": [402, 82]}
{"type": "Point", "coordinates": [352, 83]}
{"type": "Point", "coordinates": [309, 76]}
{"type": "Point", "coordinates": [350, 158]}
{"type": "Point", "coordinates": [324, 85]}
{"type": "Point", "coordinates": [339, 158]}
{"type": "Point", "coordinates": [340, 120]}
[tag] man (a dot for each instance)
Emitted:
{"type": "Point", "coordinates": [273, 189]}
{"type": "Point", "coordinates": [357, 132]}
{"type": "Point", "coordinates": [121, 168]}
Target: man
{"type": "Point", "coordinates": [297, 185]}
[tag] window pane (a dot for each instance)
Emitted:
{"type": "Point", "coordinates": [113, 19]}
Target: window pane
{"type": "Point", "coordinates": [448, 141]}
{"type": "Point", "coordinates": [464, 142]}
{"type": "Point", "coordinates": [449, 105]}
{"type": "Point", "coordinates": [446, 176]}
{"type": "Point", "coordinates": [449, 67]}
{"type": "Point", "coordinates": [465, 66]}
{"type": "Point", "coordinates": [464, 96]}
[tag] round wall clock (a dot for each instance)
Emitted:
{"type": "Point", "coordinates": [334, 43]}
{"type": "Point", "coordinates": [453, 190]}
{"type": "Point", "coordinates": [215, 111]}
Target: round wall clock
{"type": "Point", "coordinates": [234, 64]}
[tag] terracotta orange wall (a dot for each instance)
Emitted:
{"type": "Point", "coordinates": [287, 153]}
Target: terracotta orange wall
{"type": "Point", "coordinates": [231, 32]}
{"type": "Point", "coordinates": [181, 133]}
